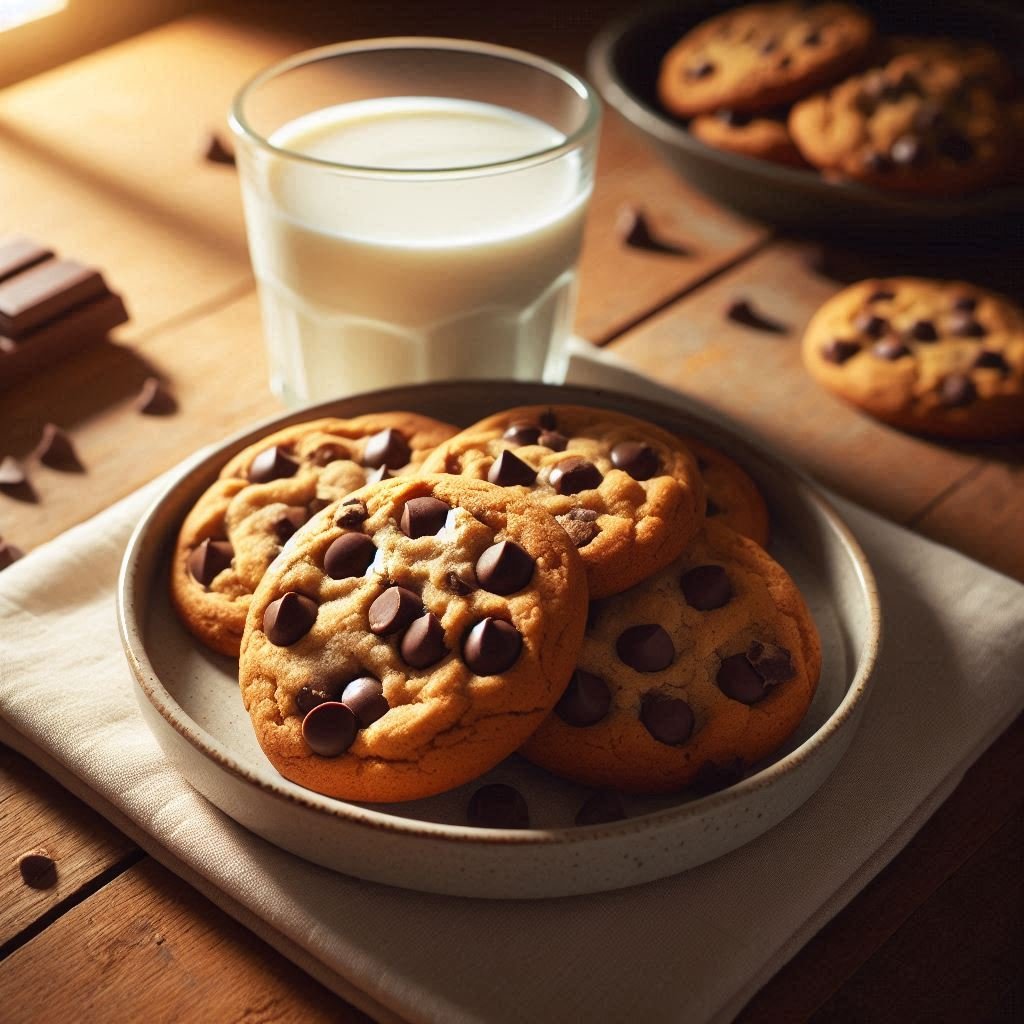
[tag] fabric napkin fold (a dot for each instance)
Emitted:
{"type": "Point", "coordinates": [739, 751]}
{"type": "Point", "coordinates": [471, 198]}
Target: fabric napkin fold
{"type": "Point", "coordinates": [690, 948]}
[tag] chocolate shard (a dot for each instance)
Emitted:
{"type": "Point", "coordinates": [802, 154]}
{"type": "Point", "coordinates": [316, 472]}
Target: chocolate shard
{"type": "Point", "coordinates": [56, 450]}
{"type": "Point", "coordinates": [742, 311]}
{"type": "Point", "coordinates": [635, 230]}
{"type": "Point", "coordinates": [154, 399]}
{"type": "Point", "coordinates": [218, 151]}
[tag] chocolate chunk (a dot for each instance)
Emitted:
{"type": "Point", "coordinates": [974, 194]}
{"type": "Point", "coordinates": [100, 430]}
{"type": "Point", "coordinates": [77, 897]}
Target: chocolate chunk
{"type": "Point", "coordinates": [288, 619]}
{"type": "Point", "coordinates": [890, 349]}
{"type": "Point", "coordinates": [45, 291]}
{"type": "Point", "coordinates": [208, 559]}
{"type": "Point", "coordinates": [504, 568]}
{"type": "Point", "coordinates": [56, 450]}
{"type": "Point", "coordinates": [387, 448]}
{"type": "Point", "coordinates": [733, 118]}
{"type": "Point", "coordinates": [380, 473]}
{"type": "Point", "coordinates": [329, 728]}
{"type": "Point", "coordinates": [497, 806]}
{"type": "Point", "coordinates": [989, 360]}
{"type": "Point", "coordinates": [838, 351]}
{"type": "Point", "coordinates": [394, 610]}
{"type": "Point", "coordinates": [713, 778]}
{"type": "Point", "coordinates": [639, 460]}
{"type": "Point", "coordinates": [881, 295]}
{"type": "Point", "coordinates": [18, 253]}
{"type": "Point", "coordinates": [154, 399]}
{"type": "Point", "coordinates": [491, 647]}
{"type": "Point", "coordinates": [522, 434]}
{"type": "Point", "coordinates": [309, 697]}
{"type": "Point", "coordinates": [771, 662]}
{"type": "Point", "coordinates": [923, 330]}
{"type": "Point", "coordinates": [509, 470]}
{"type": "Point", "coordinates": [365, 696]}
{"type": "Point", "coordinates": [586, 700]}
{"type": "Point", "coordinates": [871, 325]}
{"type": "Point", "coordinates": [218, 151]}
{"type": "Point", "coordinates": [706, 587]}
{"type": "Point", "coordinates": [350, 555]}
{"type": "Point", "coordinates": [738, 680]}
{"type": "Point", "coordinates": [908, 151]}
{"type": "Point", "coordinates": [273, 463]}
{"type": "Point", "coordinates": [646, 648]}
{"type": "Point", "coordinates": [9, 554]}
{"type": "Point", "coordinates": [38, 869]}
{"type": "Point", "coordinates": [601, 808]}
{"type": "Point", "coordinates": [328, 452]}
{"type": "Point", "coordinates": [958, 148]}
{"type": "Point", "coordinates": [635, 230]}
{"type": "Point", "coordinates": [424, 517]}
{"type": "Point", "coordinates": [878, 163]}
{"type": "Point", "coordinates": [289, 521]}
{"type": "Point", "coordinates": [957, 389]}
{"type": "Point", "coordinates": [668, 719]}
{"type": "Point", "coordinates": [573, 475]}
{"type": "Point", "coordinates": [580, 524]}
{"type": "Point", "coordinates": [742, 312]}
{"type": "Point", "coordinates": [352, 513]}
{"type": "Point", "coordinates": [554, 440]}
{"type": "Point", "coordinates": [461, 581]}
{"type": "Point", "coordinates": [963, 324]}
{"type": "Point", "coordinates": [423, 643]}
{"type": "Point", "coordinates": [965, 303]}
{"type": "Point", "coordinates": [12, 474]}
{"type": "Point", "coordinates": [700, 70]}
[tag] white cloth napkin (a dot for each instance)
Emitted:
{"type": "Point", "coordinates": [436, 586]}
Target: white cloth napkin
{"type": "Point", "coordinates": [691, 948]}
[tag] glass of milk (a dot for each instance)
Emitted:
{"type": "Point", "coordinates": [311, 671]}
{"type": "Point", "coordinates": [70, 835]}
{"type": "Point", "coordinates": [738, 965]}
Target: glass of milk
{"type": "Point", "coordinates": [414, 208]}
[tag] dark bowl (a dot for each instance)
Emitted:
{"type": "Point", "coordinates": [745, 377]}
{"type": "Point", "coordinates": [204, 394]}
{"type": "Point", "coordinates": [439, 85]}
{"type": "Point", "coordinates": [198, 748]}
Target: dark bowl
{"type": "Point", "coordinates": [623, 63]}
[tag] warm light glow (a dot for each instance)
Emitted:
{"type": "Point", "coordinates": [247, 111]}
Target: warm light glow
{"type": "Point", "coordinates": [18, 12]}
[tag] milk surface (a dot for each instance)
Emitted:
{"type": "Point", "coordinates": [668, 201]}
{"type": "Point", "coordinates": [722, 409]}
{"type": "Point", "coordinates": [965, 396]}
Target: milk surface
{"type": "Point", "coordinates": [368, 280]}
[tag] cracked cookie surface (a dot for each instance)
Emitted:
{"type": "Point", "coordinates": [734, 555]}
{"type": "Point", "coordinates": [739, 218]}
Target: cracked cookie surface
{"type": "Point", "coordinates": [410, 637]}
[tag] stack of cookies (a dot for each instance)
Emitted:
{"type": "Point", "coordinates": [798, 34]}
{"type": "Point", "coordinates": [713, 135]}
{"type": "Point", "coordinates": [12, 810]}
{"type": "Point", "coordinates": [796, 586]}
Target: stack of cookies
{"type": "Point", "coordinates": [813, 85]}
{"type": "Point", "coordinates": [411, 604]}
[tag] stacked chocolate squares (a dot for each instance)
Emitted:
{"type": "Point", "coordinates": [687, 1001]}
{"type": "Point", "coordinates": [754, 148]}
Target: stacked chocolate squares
{"type": "Point", "coordinates": [411, 604]}
{"type": "Point", "coordinates": [49, 308]}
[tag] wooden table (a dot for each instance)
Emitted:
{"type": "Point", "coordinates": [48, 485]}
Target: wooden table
{"type": "Point", "coordinates": [102, 160]}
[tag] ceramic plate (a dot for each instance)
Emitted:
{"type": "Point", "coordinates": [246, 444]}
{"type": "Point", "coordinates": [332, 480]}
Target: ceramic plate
{"type": "Point", "coordinates": [190, 699]}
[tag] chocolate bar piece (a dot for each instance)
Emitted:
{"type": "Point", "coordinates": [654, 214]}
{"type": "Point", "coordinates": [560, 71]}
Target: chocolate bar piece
{"type": "Point", "coordinates": [19, 253]}
{"type": "Point", "coordinates": [43, 292]}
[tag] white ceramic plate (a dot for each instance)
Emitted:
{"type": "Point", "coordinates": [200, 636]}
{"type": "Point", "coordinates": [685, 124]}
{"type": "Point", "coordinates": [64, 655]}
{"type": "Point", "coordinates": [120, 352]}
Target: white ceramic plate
{"type": "Point", "coordinates": [191, 701]}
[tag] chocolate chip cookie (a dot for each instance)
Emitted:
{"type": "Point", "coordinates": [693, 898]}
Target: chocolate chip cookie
{"type": "Point", "coordinates": [973, 61]}
{"type": "Point", "coordinates": [762, 56]}
{"type": "Point", "coordinates": [628, 493]}
{"type": "Point", "coordinates": [937, 357]}
{"type": "Point", "coordinates": [711, 661]}
{"type": "Point", "coordinates": [265, 493]}
{"type": "Point", "coordinates": [410, 637]}
{"type": "Point", "coordinates": [733, 498]}
{"type": "Point", "coordinates": [907, 126]}
{"type": "Point", "coordinates": [763, 138]}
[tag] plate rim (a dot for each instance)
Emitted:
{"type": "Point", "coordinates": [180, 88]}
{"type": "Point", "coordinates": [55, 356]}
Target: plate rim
{"type": "Point", "coordinates": [149, 685]}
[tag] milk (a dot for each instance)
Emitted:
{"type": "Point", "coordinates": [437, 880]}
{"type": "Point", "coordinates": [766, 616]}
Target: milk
{"type": "Point", "coordinates": [370, 278]}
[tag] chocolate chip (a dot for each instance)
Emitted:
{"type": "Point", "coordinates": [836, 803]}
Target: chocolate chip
{"type": "Point", "coordinates": [908, 151]}
{"type": "Point", "coordinates": [878, 163]}
{"type": "Point", "coordinates": [497, 806]}
{"type": "Point", "coordinates": [957, 389]}
{"type": "Point", "coordinates": [38, 869]}
{"type": "Point", "coordinates": [738, 680]}
{"type": "Point", "coordinates": [635, 230]}
{"type": "Point", "coordinates": [963, 324]}
{"type": "Point", "coordinates": [491, 647]}
{"type": "Point", "coordinates": [352, 513]}
{"type": "Point", "coordinates": [586, 700]}
{"type": "Point", "coordinates": [504, 568]}
{"type": "Point", "coordinates": [784, 62]}
{"type": "Point", "coordinates": [713, 778]}
{"type": "Point", "coordinates": [9, 554]}
{"type": "Point", "coordinates": [273, 463]}
{"type": "Point", "coordinates": [289, 618]}
{"type": "Point", "coordinates": [218, 151]}
{"type": "Point", "coordinates": [580, 524]}
{"type": "Point", "coordinates": [959, 149]}
{"type": "Point", "coordinates": [668, 719]}
{"type": "Point", "coordinates": [387, 448]}
{"type": "Point", "coordinates": [424, 517]}
{"type": "Point", "coordinates": [521, 434]}
{"type": "Point", "coordinates": [601, 808]}
{"type": "Point", "coordinates": [460, 582]}
{"type": "Point", "coordinates": [989, 360]}
{"type": "Point", "coordinates": [329, 728]}
{"type": "Point", "coordinates": [890, 349]}
{"type": "Point", "coordinates": [309, 697]}
{"type": "Point", "coordinates": [208, 559]}
{"type": "Point", "coordinates": [647, 648]}
{"type": "Point", "coordinates": [923, 330]}
{"type": "Point", "coordinates": [742, 312]}
{"type": "Point", "coordinates": [393, 610]}
{"type": "Point", "coordinates": [733, 118]}
{"type": "Point", "coordinates": [154, 399]}
{"type": "Point", "coordinates": [289, 521]}
{"type": "Point", "coordinates": [881, 295]}
{"type": "Point", "coordinates": [701, 70]}
{"type": "Point", "coordinates": [423, 643]}
{"type": "Point", "coordinates": [56, 450]}
{"type": "Point", "coordinates": [813, 38]}
{"type": "Point", "coordinates": [706, 587]}
{"type": "Point", "coordinates": [573, 475]}
{"type": "Point", "coordinates": [350, 555]}
{"type": "Point", "coordinates": [871, 325]}
{"type": "Point", "coordinates": [509, 470]}
{"type": "Point", "coordinates": [365, 696]}
{"type": "Point", "coordinates": [328, 452]}
{"type": "Point", "coordinates": [769, 46]}
{"type": "Point", "coordinates": [639, 460]}
{"type": "Point", "coordinates": [554, 440]}
{"type": "Point", "coordinates": [771, 662]}
{"type": "Point", "coordinates": [380, 473]}
{"type": "Point", "coordinates": [966, 303]}
{"type": "Point", "coordinates": [838, 351]}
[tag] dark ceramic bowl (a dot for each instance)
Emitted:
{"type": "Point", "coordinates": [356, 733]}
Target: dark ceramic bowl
{"type": "Point", "coordinates": [623, 63]}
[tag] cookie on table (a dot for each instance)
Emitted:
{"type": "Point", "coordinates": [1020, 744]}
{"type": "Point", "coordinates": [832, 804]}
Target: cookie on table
{"type": "Point", "coordinates": [710, 662]}
{"type": "Point", "coordinates": [265, 493]}
{"type": "Point", "coordinates": [763, 138]}
{"type": "Point", "coordinates": [410, 637]}
{"type": "Point", "coordinates": [628, 493]}
{"type": "Point", "coordinates": [936, 357]}
{"type": "Point", "coordinates": [906, 128]}
{"type": "Point", "coordinates": [761, 56]}
{"type": "Point", "coordinates": [733, 498]}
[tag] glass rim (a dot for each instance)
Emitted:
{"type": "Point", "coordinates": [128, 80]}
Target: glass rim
{"type": "Point", "coordinates": [242, 128]}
